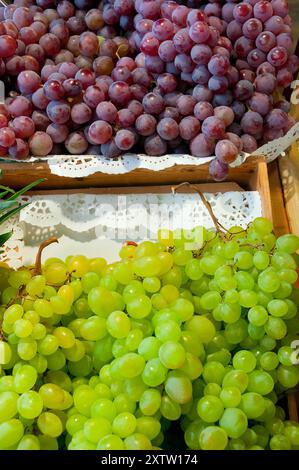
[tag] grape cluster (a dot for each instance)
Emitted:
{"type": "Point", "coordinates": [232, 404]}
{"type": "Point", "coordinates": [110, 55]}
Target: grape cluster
{"type": "Point", "coordinates": [149, 76]}
{"type": "Point", "coordinates": [98, 356]}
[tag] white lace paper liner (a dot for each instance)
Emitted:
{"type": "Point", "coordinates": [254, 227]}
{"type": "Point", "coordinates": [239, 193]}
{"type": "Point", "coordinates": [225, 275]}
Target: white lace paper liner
{"type": "Point", "coordinates": [97, 225]}
{"type": "Point", "coordinates": [78, 166]}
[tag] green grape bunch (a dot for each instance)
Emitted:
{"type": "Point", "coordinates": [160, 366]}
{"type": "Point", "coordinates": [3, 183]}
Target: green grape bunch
{"type": "Point", "coordinates": [98, 356]}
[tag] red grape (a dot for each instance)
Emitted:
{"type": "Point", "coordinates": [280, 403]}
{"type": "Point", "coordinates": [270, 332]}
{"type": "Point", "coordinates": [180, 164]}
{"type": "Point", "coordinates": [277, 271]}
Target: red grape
{"type": "Point", "coordinates": [40, 144]}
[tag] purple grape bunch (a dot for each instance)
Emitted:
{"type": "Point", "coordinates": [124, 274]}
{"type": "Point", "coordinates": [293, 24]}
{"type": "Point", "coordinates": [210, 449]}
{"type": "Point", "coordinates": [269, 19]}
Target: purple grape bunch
{"type": "Point", "coordinates": [147, 76]}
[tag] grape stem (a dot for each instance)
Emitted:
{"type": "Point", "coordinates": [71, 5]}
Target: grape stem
{"type": "Point", "coordinates": [219, 227]}
{"type": "Point", "coordinates": [38, 260]}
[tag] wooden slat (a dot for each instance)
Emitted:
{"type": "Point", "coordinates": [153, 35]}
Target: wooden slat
{"type": "Point", "coordinates": [280, 220]}
{"type": "Point", "coordinates": [20, 174]}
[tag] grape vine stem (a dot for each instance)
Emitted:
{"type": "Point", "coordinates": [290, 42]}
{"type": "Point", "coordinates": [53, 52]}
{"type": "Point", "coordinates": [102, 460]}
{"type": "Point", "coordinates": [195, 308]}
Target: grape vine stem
{"type": "Point", "coordinates": [219, 227]}
{"type": "Point", "coordinates": [38, 260]}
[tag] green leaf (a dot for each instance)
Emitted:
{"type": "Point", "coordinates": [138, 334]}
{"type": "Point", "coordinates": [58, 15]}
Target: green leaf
{"type": "Point", "coordinates": [7, 189]}
{"type": "Point", "coordinates": [11, 213]}
{"type": "Point", "coordinates": [27, 188]}
{"type": "Point", "coordinates": [4, 205]}
{"type": "Point", "coordinates": [4, 237]}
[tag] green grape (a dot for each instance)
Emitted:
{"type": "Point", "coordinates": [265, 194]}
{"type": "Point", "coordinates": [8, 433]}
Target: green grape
{"type": "Point", "coordinates": [258, 315]}
{"type": "Point", "coordinates": [236, 444]}
{"type": "Point", "coordinates": [191, 344]}
{"type": "Point", "coordinates": [93, 329]}
{"type": "Point", "coordinates": [236, 332]}
{"type": "Point", "coordinates": [192, 434]}
{"type": "Point", "coordinates": [149, 348]}
{"type": "Point", "coordinates": [123, 272]}
{"type": "Point", "coordinates": [56, 361]}
{"type": "Point", "coordinates": [277, 308]}
{"type": "Point", "coordinates": [262, 435]}
{"type": "Point", "coordinates": [96, 428]}
{"type": "Point", "coordinates": [132, 290]}
{"type": "Point", "coordinates": [148, 426]}
{"type": "Point", "coordinates": [158, 302]}
{"type": "Point", "coordinates": [150, 401]}
{"type": "Point", "coordinates": [48, 345]}
{"type": "Point", "coordinates": [210, 408]}
{"type": "Point", "coordinates": [123, 403]}
{"type": "Point", "coordinates": [48, 443]}
{"type": "Point", "coordinates": [110, 442]}
{"type": "Point", "coordinates": [133, 339]}
{"type": "Point", "coordinates": [213, 372]}
{"type": "Point", "coordinates": [184, 308]}
{"type": "Point", "coordinates": [244, 360]}
{"type": "Point", "coordinates": [52, 395]}
{"type": "Point", "coordinates": [288, 376]}
{"type": "Point", "coordinates": [61, 379]}
{"type": "Point", "coordinates": [76, 352]}
{"type": "Point", "coordinates": [23, 328]}
{"type": "Point", "coordinates": [170, 409]}
{"type": "Point", "coordinates": [36, 286]}
{"type": "Point", "coordinates": [24, 378]}
{"type": "Point", "coordinates": [173, 277]}
{"type": "Point", "coordinates": [249, 437]}
{"type": "Point", "coordinates": [223, 356]}
{"type": "Point", "coordinates": [213, 438]}
{"type": "Point", "coordinates": [260, 382]}
{"type": "Point", "coordinates": [292, 434]}
{"type": "Point", "coordinates": [292, 309]}
{"type": "Point", "coordinates": [135, 387]}
{"type": "Point", "coordinates": [137, 441]}
{"type": "Point", "coordinates": [151, 284]}
{"type": "Point", "coordinates": [5, 353]}
{"type": "Point", "coordinates": [210, 300]}
{"type": "Point", "coordinates": [248, 298]}
{"type": "Point", "coordinates": [81, 308]}
{"type": "Point", "coordinates": [210, 263]}
{"type": "Point", "coordinates": [29, 442]}
{"type": "Point", "coordinates": [81, 368]}
{"type": "Point", "coordinates": [244, 280]}
{"type": "Point", "coordinates": [11, 432]}
{"type": "Point", "coordinates": [84, 397]}
{"type": "Point", "coordinates": [165, 315]}
{"type": "Point", "coordinates": [13, 313]}
{"type": "Point", "coordinates": [262, 226]}
{"type": "Point", "coordinates": [181, 256]}
{"type": "Point", "coordinates": [236, 378]}
{"type": "Point", "coordinates": [252, 404]}
{"type": "Point", "coordinates": [118, 324]}
{"type": "Point", "coordinates": [192, 366]}
{"type": "Point", "coordinates": [43, 307]}
{"type": "Point", "coordinates": [124, 424]}
{"type": "Point", "coordinates": [288, 243]}
{"type": "Point", "coordinates": [193, 270]}
{"type": "Point", "coordinates": [147, 266]}
{"type": "Point", "coordinates": [261, 260]}
{"type": "Point", "coordinates": [30, 405]}
{"type": "Point", "coordinates": [89, 280]}
{"type": "Point", "coordinates": [49, 424]}
{"type": "Point", "coordinates": [154, 372]}
{"type": "Point", "coordinates": [228, 313]}
{"type": "Point", "coordinates": [234, 422]}
{"type": "Point", "coordinates": [279, 442]}
{"type": "Point", "coordinates": [203, 327]}
{"type": "Point", "coordinates": [140, 307]}
{"type": "Point", "coordinates": [268, 280]}
{"type": "Point", "coordinates": [32, 316]}
{"type": "Point", "coordinates": [230, 396]}
{"type": "Point", "coordinates": [8, 405]}
{"type": "Point", "coordinates": [172, 355]}
{"type": "Point", "coordinates": [97, 265]}
{"type": "Point", "coordinates": [275, 328]}
{"type": "Point", "coordinates": [256, 332]}
{"type": "Point", "coordinates": [75, 423]}
{"type": "Point", "coordinates": [243, 260]}
{"type": "Point", "coordinates": [131, 365]}
{"type": "Point", "coordinates": [269, 360]}
{"type": "Point", "coordinates": [285, 354]}
{"type": "Point", "coordinates": [178, 387]}
{"type": "Point", "coordinates": [119, 347]}
{"type": "Point", "coordinates": [65, 337]}
{"type": "Point", "coordinates": [212, 389]}
{"type": "Point", "coordinates": [168, 331]}
{"type": "Point", "coordinates": [102, 408]}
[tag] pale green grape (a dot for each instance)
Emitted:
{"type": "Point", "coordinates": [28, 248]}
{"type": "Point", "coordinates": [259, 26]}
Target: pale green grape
{"type": "Point", "coordinates": [36, 286]}
{"type": "Point", "coordinates": [154, 372]}
{"type": "Point", "coordinates": [101, 408]}
{"type": "Point", "coordinates": [243, 260]}
{"type": "Point", "coordinates": [8, 405]}
{"type": "Point", "coordinates": [148, 426]}
{"type": "Point", "coordinates": [13, 313]}
{"type": "Point", "coordinates": [279, 442]}
{"type": "Point", "coordinates": [123, 403]}
{"type": "Point", "coordinates": [134, 388]}
{"type": "Point", "coordinates": [23, 328]}
{"type": "Point", "coordinates": [150, 401]}
{"type": "Point", "coordinates": [29, 442]}
{"type": "Point", "coordinates": [172, 355]}
{"type": "Point", "coordinates": [192, 366]}
{"type": "Point", "coordinates": [234, 422]}
{"type": "Point", "coordinates": [110, 442]}
{"type": "Point", "coordinates": [75, 423]}
{"type": "Point", "coordinates": [253, 405]}
{"type": "Point", "coordinates": [96, 428]}
{"type": "Point", "coordinates": [261, 260]}
{"type": "Point", "coordinates": [118, 324]}
{"type": "Point", "coordinates": [76, 352]}
{"type": "Point", "coordinates": [212, 389]}
{"type": "Point", "coordinates": [213, 438]}
{"type": "Point", "coordinates": [149, 347]}
{"type": "Point", "coordinates": [131, 365]}
{"type": "Point", "coordinates": [134, 339]}
{"type": "Point", "coordinates": [288, 376]}
{"type": "Point", "coordinates": [5, 353]}
{"type": "Point", "coordinates": [275, 328]}
{"type": "Point", "coordinates": [56, 361]}
{"type": "Point", "coordinates": [48, 345]}
{"type": "Point", "coordinates": [236, 378]}
{"type": "Point", "coordinates": [213, 372]}
{"type": "Point", "coordinates": [93, 328]}
{"type": "Point", "coordinates": [30, 405]}
{"type": "Point", "coordinates": [210, 408]}
{"type": "Point", "coordinates": [170, 409]}
{"type": "Point", "coordinates": [24, 378]}
{"type": "Point", "coordinates": [178, 387]}
{"type": "Point", "coordinates": [151, 284]}
{"type": "Point", "coordinates": [258, 315]}
{"type": "Point", "coordinates": [139, 307]}
{"type": "Point", "coordinates": [268, 280]}
{"type": "Point", "coordinates": [11, 432]}
{"type": "Point", "coordinates": [230, 396]}
{"type": "Point", "coordinates": [260, 382]}
{"type": "Point", "coordinates": [168, 331]}
{"type": "Point", "coordinates": [277, 308]}
{"type": "Point", "coordinates": [203, 327]}
{"type": "Point", "coordinates": [244, 360]}
{"type": "Point", "coordinates": [147, 266]}
{"type": "Point", "coordinates": [124, 424]}
{"type": "Point", "coordinates": [49, 424]}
